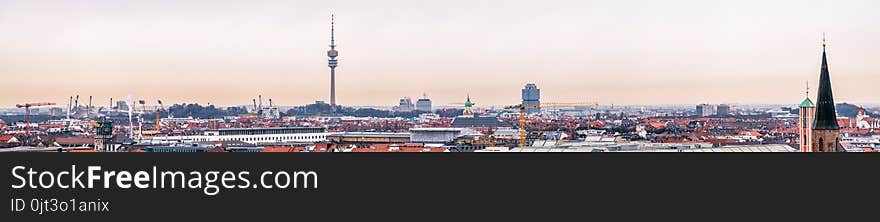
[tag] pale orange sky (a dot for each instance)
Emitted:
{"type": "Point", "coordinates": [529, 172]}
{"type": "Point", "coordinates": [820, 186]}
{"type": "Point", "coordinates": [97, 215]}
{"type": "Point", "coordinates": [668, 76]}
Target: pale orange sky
{"type": "Point", "coordinates": [622, 52]}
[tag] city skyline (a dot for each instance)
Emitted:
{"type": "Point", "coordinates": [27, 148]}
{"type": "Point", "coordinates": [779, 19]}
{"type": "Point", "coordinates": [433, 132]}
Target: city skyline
{"type": "Point", "coordinates": [739, 53]}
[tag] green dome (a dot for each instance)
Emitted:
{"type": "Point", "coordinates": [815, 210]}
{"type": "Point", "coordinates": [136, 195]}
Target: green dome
{"type": "Point", "coordinates": [807, 103]}
{"type": "Point", "coordinates": [468, 103]}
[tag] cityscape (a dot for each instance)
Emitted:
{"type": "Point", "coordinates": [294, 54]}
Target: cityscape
{"type": "Point", "coordinates": [84, 123]}
{"type": "Point", "coordinates": [211, 108]}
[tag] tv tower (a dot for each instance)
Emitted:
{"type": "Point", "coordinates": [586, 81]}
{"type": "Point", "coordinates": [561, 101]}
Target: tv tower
{"type": "Point", "coordinates": [332, 53]}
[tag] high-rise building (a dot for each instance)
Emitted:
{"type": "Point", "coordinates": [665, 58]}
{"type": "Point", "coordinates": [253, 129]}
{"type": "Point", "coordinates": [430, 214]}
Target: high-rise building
{"type": "Point", "coordinates": [723, 110]}
{"type": "Point", "coordinates": [531, 96]}
{"type": "Point", "coordinates": [805, 125]}
{"type": "Point", "coordinates": [405, 105]}
{"type": "Point", "coordinates": [826, 135]}
{"type": "Point", "coordinates": [121, 105]}
{"type": "Point", "coordinates": [332, 53]}
{"type": "Point", "coordinates": [706, 110]}
{"type": "Point", "coordinates": [423, 104]}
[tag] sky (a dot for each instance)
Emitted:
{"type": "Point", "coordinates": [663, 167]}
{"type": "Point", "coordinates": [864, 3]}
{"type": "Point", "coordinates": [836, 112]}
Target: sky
{"type": "Point", "coordinates": [225, 52]}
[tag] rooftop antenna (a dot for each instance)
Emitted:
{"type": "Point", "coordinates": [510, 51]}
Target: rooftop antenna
{"type": "Point", "coordinates": [332, 29]}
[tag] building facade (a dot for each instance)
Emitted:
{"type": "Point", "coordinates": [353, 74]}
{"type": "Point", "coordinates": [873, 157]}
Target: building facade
{"type": "Point", "coordinates": [253, 136]}
{"type": "Point", "coordinates": [424, 104]}
{"type": "Point", "coordinates": [723, 110]}
{"type": "Point", "coordinates": [706, 110]}
{"type": "Point", "coordinates": [405, 105]}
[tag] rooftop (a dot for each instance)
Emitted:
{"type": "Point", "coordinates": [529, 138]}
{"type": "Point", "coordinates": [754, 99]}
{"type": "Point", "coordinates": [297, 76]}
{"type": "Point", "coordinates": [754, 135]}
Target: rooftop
{"type": "Point", "coordinates": [477, 121]}
{"type": "Point", "coordinates": [371, 134]}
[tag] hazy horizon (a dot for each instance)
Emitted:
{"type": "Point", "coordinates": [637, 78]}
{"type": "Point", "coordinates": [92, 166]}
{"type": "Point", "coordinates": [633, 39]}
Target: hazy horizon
{"type": "Point", "coordinates": [622, 52]}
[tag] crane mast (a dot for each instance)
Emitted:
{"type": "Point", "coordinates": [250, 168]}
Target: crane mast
{"type": "Point", "coordinates": [27, 114]}
{"type": "Point", "coordinates": [522, 114]}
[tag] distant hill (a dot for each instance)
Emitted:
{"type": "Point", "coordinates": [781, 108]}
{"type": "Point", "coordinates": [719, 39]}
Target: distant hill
{"type": "Point", "coordinates": [12, 119]}
{"type": "Point", "coordinates": [850, 110]}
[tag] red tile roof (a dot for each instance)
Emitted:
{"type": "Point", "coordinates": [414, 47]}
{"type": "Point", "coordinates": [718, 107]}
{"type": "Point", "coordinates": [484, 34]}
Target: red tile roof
{"type": "Point", "coordinates": [83, 151]}
{"type": "Point", "coordinates": [750, 133]}
{"type": "Point", "coordinates": [74, 141]}
{"type": "Point", "coordinates": [5, 138]}
{"type": "Point", "coordinates": [406, 148]}
{"type": "Point", "coordinates": [282, 149]}
{"type": "Point", "coordinates": [657, 125]}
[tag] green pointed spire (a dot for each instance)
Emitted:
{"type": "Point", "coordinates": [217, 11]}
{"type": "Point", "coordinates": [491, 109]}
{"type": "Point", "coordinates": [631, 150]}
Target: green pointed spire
{"type": "Point", "coordinates": [468, 103]}
{"type": "Point", "coordinates": [807, 103]}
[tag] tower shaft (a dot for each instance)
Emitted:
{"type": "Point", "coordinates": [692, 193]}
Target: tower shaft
{"type": "Point", "coordinates": [332, 86]}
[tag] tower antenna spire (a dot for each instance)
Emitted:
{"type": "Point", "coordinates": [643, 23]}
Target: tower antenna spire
{"type": "Point", "coordinates": [332, 30]}
{"type": "Point", "coordinates": [808, 89]}
{"type": "Point", "coordinates": [824, 41]}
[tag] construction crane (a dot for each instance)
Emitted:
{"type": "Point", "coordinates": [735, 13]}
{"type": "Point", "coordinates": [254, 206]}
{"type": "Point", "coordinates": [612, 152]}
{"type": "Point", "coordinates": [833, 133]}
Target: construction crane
{"type": "Point", "coordinates": [522, 120]}
{"type": "Point", "coordinates": [27, 113]}
{"type": "Point", "coordinates": [522, 114]}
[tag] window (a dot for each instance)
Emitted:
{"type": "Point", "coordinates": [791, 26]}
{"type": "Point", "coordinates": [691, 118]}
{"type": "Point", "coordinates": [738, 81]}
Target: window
{"type": "Point", "coordinates": [821, 144]}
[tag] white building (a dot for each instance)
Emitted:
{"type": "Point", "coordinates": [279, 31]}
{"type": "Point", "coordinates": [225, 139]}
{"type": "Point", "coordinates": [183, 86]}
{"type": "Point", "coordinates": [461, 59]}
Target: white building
{"type": "Point", "coordinates": [271, 113]}
{"type": "Point", "coordinates": [437, 135]}
{"type": "Point", "coordinates": [423, 104]}
{"type": "Point", "coordinates": [405, 105]}
{"type": "Point", "coordinates": [253, 136]}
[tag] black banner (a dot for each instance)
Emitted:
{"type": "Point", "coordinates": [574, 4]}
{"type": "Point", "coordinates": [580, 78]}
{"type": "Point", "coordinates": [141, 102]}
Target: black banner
{"type": "Point", "coordinates": [448, 186]}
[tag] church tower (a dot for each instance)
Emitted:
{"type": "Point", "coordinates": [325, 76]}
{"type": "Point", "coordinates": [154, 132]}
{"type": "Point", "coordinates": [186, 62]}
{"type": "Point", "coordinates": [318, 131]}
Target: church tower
{"type": "Point", "coordinates": [805, 125]}
{"type": "Point", "coordinates": [468, 108]}
{"type": "Point", "coordinates": [826, 136]}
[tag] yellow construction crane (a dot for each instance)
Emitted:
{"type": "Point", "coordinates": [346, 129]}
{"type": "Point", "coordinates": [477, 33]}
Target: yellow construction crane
{"type": "Point", "coordinates": [522, 120]}
{"type": "Point", "coordinates": [522, 114]}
